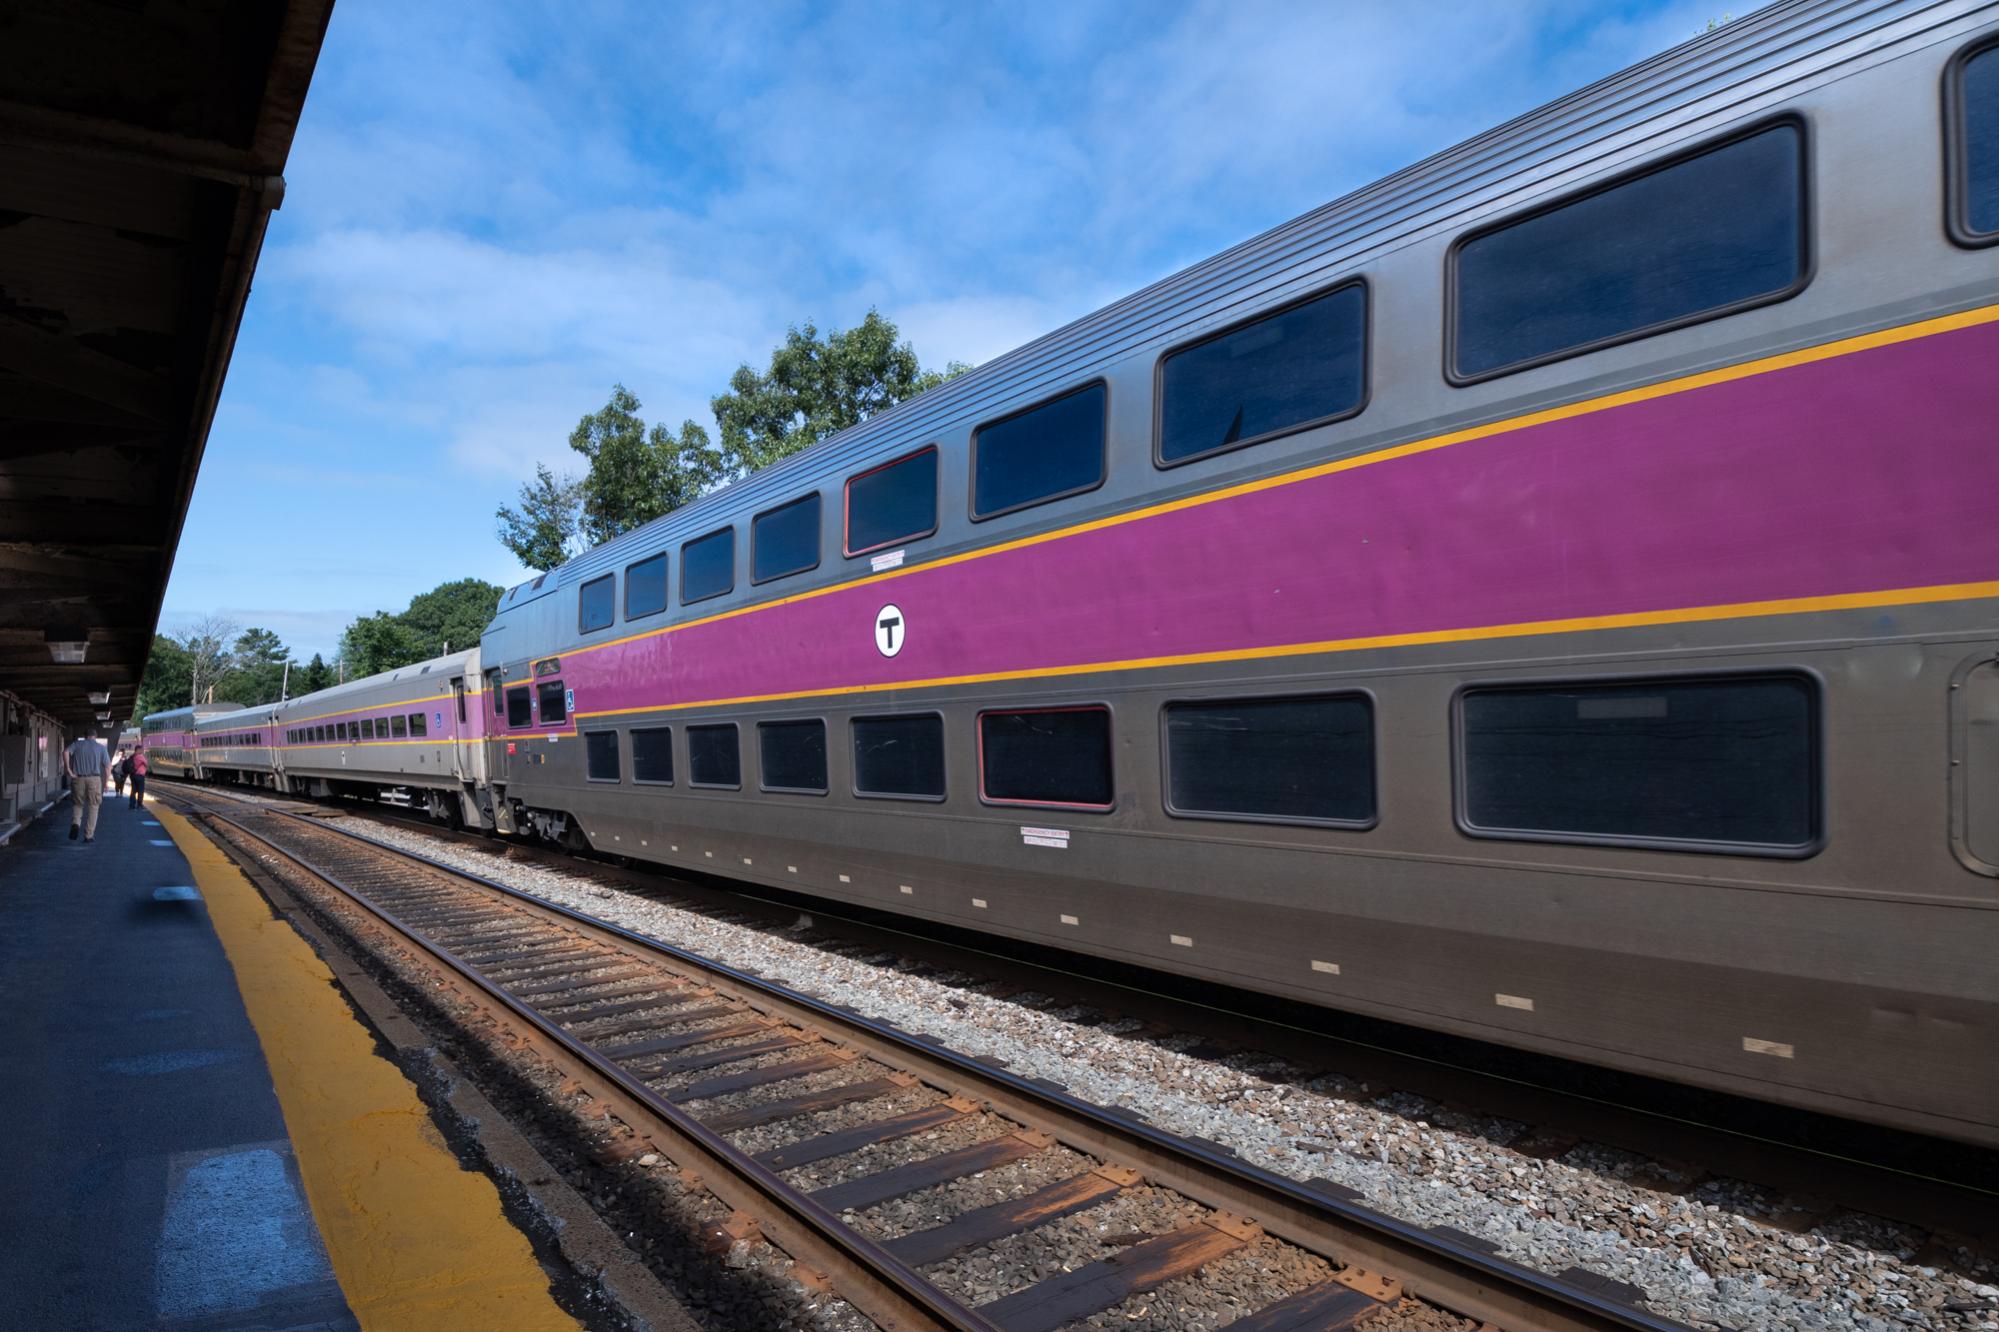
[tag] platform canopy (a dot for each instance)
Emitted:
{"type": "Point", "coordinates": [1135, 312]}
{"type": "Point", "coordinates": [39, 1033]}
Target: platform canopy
{"type": "Point", "coordinates": [142, 147]}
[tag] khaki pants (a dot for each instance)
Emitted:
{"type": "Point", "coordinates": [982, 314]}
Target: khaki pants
{"type": "Point", "coordinates": [85, 795]}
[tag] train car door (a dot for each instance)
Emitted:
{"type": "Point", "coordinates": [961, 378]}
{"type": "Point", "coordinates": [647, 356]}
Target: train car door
{"type": "Point", "coordinates": [1974, 767]}
{"type": "Point", "coordinates": [497, 766]}
{"type": "Point", "coordinates": [459, 727]}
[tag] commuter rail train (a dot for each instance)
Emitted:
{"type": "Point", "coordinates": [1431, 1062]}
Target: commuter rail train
{"type": "Point", "coordinates": [1549, 595]}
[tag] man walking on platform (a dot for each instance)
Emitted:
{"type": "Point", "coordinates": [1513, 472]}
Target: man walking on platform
{"type": "Point", "coordinates": [136, 767]}
{"type": "Point", "coordinates": [86, 763]}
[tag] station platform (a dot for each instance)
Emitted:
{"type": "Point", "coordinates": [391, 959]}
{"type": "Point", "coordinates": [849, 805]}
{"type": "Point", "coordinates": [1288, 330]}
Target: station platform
{"type": "Point", "coordinates": [199, 1133]}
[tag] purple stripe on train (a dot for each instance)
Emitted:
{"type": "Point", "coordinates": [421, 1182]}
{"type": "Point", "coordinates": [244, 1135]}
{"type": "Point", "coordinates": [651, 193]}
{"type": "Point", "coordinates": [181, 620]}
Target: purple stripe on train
{"type": "Point", "coordinates": [1868, 471]}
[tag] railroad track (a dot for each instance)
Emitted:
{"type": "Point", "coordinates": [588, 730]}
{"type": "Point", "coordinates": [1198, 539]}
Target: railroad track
{"type": "Point", "coordinates": [709, 1064]}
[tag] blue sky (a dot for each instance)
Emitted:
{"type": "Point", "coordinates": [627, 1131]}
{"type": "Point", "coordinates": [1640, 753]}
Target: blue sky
{"type": "Point", "coordinates": [495, 211]}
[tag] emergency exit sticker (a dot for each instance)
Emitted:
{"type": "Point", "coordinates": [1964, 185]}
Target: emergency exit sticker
{"type": "Point", "coordinates": [510, 746]}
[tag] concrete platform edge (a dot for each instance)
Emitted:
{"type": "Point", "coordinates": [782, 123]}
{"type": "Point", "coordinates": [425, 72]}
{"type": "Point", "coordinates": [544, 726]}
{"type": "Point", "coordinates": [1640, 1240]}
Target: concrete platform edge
{"type": "Point", "coordinates": [586, 1243]}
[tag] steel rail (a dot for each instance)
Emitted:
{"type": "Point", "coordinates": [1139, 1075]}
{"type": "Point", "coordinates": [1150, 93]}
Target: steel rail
{"type": "Point", "coordinates": [1432, 1266]}
{"type": "Point", "coordinates": [888, 1291]}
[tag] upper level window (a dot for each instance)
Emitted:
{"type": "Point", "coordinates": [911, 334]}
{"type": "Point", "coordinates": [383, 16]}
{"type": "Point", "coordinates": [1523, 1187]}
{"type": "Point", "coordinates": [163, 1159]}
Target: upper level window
{"type": "Point", "coordinates": [708, 566]}
{"type": "Point", "coordinates": [645, 587]}
{"type": "Point", "coordinates": [1281, 372]}
{"type": "Point", "coordinates": [1040, 454]}
{"type": "Point", "coordinates": [894, 502]}
{"type": "Point", "coordinates": [785, 540]}
{"type": "Point", "coordinates": [554, 706]}
{"type": "Point", "coordinates": [597, 604]}
{"type": "Point", "coordinates": [1049, 756]}
{"type": "Point", "coordinates": [1974, 133]}
{"type": "Point", "coordinates": [1305, 760]}
{"type": "Point", "coordinates": [1717, 764]}
{"type": "Point", "coordinates": [792, 755]}
{"type": "Point", "coordinates": [1700, 236]}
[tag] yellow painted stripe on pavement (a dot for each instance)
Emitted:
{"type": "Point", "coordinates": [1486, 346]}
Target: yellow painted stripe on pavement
{"type": "Point", "coordinates": [417, 1241]}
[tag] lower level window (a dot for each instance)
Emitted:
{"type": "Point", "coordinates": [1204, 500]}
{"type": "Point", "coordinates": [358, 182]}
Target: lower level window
{"type": "Point", "coordinates": [1303, 760]}
{"type": "Point", "coordinates": [899, 756]}
{"type": "Point", "coordinates": [713, 758]}
{"type": "Point", "coordinates": [1051, 756]}
{"type": "Point", "coordinates": [520, 707]}
{"type": "Point", "coordinates": [792, 755]}
{"type": "Point", "coordinates": [1710, 764]}
{"type": "Point", "coordinates": [554, 707]}
{"type": "Point", "coordinates": [600, 755]}
{"type": "Point", "coordinates": [652, 755]}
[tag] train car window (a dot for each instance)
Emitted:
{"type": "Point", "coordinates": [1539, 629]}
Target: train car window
{"type": "Point", "coordinates": [554, 707]}
{"type": "Point", "coordinates": [398, 726]}
{"type": "Point", "coordinates": [785, 540]}
{"type": "Point", "coordinates": [600, 755]}
{"type": "Point", "coordinates": [1051, 756]}
{"type": "Point", "coordinates": [645, 587]}
{"type": "Point", "coordinates": [1294, 760]}
{"type": "Point", "coordinates": [652, 755]}
{"type": "Point", "coordinates": [1041, 454]}
{"type": "Point", "coordinates": [1703, 235]}
{"type": "Point", "coordinates": [367, 728]}
{"type": "Point", "coordinates": [597, 604]}
{"type": "Point", "coordinates": [713, 757]}
{"type": "Point", "coordinates": [1301, 366]}
{"type": "Point", "coordinates": [708, 566]}
{"type": "Point", "coordinates": [418, 726]}
{"type": "Point", "coordinates": [520, 708]}
{"type": "Point", "coordinates": [894, 502]}
{"type": "Point", "coordinates": [899, 757]}
{"type": "Point", "coordinates": [1716, 764]}
{"type": "Point", "coordinates": [792, 756]}
{"type": "Point", "coordinates": [1973, 127]}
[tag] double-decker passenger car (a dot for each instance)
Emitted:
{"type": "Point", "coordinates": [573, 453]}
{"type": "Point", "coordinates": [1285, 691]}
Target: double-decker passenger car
{"type": "Point", "coordinates": [1549, 595]}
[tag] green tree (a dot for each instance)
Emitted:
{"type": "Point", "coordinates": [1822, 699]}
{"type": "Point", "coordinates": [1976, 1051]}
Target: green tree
{"type": "Point", "coordinates": [168, 682]}
{"type": "Point", "coordinates": [312, 677]}
{"type": "Point", "coordinates": [816, 386]}
{"type": "Point", "coordinates": [637, 474]}
{"type": "Point", "coordinates": [256, 669]}
{"type": "Point", "coordinates": [547, 528]}
{"type": "Point", "coordinates": [452, 616]}
{"type": "Point", "coordinates": [451, 613]}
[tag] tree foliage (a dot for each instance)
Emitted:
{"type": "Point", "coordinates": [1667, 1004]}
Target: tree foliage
{"type": "Point", "coordinates": [546, 529]}
{"type": "Point", "coordinates": [636, 474]}
{"type": "Point", "coordinates": [815, 385]}
{"type": "Point", "coordinates": [314, 676]}
{"type": "Point", "coordinates": [452, 614]}
{"type": "Point", "coordinates": [256, 669]}
{"type": "Point", "coordinates": [169, 679]}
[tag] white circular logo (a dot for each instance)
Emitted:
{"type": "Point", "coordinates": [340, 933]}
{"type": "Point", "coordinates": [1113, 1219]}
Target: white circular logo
{"type": "Point", "coordinates": [890, 631]}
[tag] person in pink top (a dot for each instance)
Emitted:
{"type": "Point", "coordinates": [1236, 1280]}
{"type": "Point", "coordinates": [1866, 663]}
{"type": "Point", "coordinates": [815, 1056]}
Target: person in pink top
{"type": "Point", "coordinates": [137, 768]}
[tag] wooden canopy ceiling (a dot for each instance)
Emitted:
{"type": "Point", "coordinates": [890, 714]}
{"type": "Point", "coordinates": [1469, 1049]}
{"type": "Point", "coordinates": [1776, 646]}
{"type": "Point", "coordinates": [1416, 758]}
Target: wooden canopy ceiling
{"type": "Point", "coordinates": [141, 149]}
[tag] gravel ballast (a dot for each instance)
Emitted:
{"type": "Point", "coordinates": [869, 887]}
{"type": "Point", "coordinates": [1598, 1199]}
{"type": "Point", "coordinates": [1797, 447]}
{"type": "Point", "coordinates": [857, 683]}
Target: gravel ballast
{"type": "Point", "coordinates": [1709, 1256]}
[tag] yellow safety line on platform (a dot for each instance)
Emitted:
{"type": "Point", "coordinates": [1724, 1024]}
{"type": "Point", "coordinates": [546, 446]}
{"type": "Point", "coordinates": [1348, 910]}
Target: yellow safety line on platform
{"type": "Point", "coordinates": [417, 1241]}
